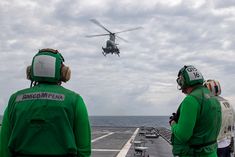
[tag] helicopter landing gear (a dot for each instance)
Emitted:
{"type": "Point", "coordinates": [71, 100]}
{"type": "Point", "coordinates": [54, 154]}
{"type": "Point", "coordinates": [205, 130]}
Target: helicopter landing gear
{"type": "Point", "coordinates": [104, 52]}
{"type": "Point", "coordinates": [118, 53]}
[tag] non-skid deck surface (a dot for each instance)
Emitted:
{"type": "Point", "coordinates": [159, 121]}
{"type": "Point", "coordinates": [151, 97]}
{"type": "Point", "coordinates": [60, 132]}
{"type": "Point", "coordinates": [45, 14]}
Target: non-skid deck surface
{"type": "Point", "coordinates": [119, 142]}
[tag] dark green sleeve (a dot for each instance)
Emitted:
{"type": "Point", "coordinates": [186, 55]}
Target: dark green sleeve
{"type": "Point", "coordinates": [82, 129]}
{"type": "Point", "coordinates": [5, 135]}
{"type": "Point", "coordinates": [183, 130]}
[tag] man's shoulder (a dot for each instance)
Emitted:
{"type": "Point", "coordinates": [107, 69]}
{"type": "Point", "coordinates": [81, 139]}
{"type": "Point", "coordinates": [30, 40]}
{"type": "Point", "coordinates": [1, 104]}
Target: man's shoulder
{"type": "Point", "coordinates": [25, 90]}
{"type": "Point", "coordinates": [60, 90]}
{"type": "Point", "coordinates": [68, 91]}
{"type": "Point", "coordinates": [54, 89]}
{"type": "Point", "coordinates": [19, 92]}
{"type": "Point", "coordinates": [190, 99]}
{"type": "Point", "coordinates": [199, 90]}
{"type": "Point", "coordinates": [70, 94]}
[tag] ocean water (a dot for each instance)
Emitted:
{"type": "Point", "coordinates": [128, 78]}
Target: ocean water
{"type": "Point", "coordinates": [130, 121]}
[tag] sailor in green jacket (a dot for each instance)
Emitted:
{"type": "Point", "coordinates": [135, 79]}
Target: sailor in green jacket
{"type": "Point", "coordinates": [196, 124]}
{"type": "Point", "coordinates": [46, 119]}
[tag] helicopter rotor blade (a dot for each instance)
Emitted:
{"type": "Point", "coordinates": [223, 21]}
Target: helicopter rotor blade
{"type": "Point", "coordinates": [97, 23]}
{"type": "Point", "coordinates": [90, 36]}
{"type": "Point", "coordinates": [132, 29]}
{"type": "Point", "coordinates": [122, 39]}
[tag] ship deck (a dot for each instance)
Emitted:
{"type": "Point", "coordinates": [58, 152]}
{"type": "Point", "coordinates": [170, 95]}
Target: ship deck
{"type": "Point", "coordinates": [130, 142]}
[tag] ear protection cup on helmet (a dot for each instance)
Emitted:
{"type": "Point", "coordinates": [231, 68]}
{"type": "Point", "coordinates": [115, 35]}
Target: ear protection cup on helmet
{"type": "Point", "coordinates": [28, 72]}
{"type": "Point", "coordinates": [181, 80]}
{"type": "Point", "coordinates": [65, 73]}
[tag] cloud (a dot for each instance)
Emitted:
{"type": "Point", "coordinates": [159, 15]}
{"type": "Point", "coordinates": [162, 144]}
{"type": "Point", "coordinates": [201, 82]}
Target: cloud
{"type": "Point", "coordinates": [142, 80]}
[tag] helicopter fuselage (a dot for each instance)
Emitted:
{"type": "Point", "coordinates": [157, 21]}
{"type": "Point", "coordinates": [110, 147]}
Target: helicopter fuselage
{"type": "Point", "coordinates": [111, 47]}
{"type": "Point", "coordinates": [111, 44]}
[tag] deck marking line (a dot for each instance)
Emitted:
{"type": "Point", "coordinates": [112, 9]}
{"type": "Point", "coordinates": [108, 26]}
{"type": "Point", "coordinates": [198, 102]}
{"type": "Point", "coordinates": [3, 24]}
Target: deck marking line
{"type": "Point", "coordinates": [127, 146]}
{"type": "Point", "coordinates": [98, 138]}
{"type": "Point", "coordinates": [106, 150]}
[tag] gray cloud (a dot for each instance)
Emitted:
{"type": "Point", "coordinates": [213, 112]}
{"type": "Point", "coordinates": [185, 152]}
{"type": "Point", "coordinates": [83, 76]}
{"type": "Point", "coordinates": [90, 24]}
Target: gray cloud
{"type": "Point", "coordinates": [142, 80]}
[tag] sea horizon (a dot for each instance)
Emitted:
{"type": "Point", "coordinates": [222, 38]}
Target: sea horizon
{"type": "Point", "coordinates": [126, 121]}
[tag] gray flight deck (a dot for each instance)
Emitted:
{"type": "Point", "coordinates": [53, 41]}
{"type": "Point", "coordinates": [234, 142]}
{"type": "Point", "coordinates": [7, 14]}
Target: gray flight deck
{"type": "Point", "coordinates": [130, 142]}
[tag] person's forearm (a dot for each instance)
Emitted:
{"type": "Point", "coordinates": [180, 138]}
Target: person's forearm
{"type": "Point", "coordinates": [82, 130]}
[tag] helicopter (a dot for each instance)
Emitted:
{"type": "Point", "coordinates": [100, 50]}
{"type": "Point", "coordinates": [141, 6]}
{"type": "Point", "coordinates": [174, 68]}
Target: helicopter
{"type": "Point", "coordinates": [111, 45]}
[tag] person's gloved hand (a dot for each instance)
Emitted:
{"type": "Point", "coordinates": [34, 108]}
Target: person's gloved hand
{"type": "Point", "coordinates": [174, 118]}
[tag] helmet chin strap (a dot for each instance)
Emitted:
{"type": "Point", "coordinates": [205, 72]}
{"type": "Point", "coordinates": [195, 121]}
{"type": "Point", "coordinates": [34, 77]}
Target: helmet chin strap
{"type": "Point", "coordinates": [31, 84]}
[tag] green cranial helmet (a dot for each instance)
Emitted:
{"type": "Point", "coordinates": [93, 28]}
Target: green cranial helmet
{"type": "Point", "coordinates": [46, 66]}
{"type": "Point", "coordinates": [189, 76]}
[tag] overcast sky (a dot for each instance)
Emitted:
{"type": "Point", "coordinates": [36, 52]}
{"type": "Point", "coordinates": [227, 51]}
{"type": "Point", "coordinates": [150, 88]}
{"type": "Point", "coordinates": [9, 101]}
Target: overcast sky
{"type": "Point", "coordinates": [142, 80]}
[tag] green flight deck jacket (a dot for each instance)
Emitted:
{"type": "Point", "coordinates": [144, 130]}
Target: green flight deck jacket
{"type": "Point", "coordinates": [195, 133]}
{"type": "Point", "coordinates": [46, 119]}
